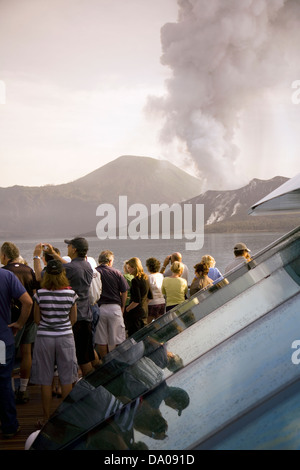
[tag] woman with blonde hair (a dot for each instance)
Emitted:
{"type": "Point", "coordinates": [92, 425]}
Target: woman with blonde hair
{"type": "Point", "coordinates": [213, 273]}
{"type": "Point", "coordinates": [174, 287]}
{"type": "Point", "coordinates": [136, 313]}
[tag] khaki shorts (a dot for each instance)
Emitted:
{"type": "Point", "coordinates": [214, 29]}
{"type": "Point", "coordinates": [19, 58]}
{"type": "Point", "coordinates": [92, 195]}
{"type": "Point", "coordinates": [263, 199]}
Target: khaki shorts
{"type": "Point", "coordinates": [110, 329]}
{"type": "Point", "coordinates": [26, 335]}
{"type": "Point", "coordinates": [50, 351]}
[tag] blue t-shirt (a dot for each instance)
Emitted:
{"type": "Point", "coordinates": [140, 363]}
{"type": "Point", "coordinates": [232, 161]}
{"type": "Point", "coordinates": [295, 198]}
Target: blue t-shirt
{"type": "Point", "coordinates": [215, 275]}
{"type": "Point", "coordinates": [11, 288]}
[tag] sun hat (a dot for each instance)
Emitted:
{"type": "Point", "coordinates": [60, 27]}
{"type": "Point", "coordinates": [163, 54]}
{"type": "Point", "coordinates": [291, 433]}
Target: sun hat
{"type": "Point", "coordinates": [241, 247]}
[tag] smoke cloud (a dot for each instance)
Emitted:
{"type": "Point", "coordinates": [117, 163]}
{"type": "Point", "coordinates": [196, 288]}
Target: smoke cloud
{"type": "Point", "coordinates": [224, 57]}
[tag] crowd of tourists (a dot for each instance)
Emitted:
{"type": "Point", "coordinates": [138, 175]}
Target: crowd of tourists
{"type": "Point", "coordinates": [60, 318]}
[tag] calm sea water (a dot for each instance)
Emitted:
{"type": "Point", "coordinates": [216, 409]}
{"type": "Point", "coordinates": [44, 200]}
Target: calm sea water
{"type": "Point", "coordinates": [220, 246]}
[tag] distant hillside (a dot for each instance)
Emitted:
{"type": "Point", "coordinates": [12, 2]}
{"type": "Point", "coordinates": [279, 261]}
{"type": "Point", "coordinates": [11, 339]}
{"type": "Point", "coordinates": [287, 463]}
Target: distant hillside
{"type": "Point", "coordinates": [227, 211]}
{"type": "Point", "coordinates": [143, 179]}
{"type": "Point", "coordinates": [70, 209]}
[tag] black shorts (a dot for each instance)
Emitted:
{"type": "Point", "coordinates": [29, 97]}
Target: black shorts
{"type": "Point", "coordinates": [134, 320]}
{"type": "Point", "coordinates": [83, 336]}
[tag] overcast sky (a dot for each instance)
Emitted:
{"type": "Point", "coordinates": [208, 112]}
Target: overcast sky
{"type": "Point", "coordinates": [206, 85]}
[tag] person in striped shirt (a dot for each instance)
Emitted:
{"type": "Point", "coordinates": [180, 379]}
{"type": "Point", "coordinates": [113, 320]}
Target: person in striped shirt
{"type": "Point", "coordinates": [55, 312]}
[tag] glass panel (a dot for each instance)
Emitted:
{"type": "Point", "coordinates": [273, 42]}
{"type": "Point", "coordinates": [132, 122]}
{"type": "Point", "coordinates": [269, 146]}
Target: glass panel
{"type": "Point", "coordinates": [274, 425]}
{"type": "Point", "coordinates": [193, 355]}
{"type": "Point", "coordinates": [218, 388]}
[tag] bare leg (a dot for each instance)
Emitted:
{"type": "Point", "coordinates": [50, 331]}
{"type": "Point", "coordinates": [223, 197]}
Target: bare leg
{"type": "Point", "coordinates": [25, 370]}
{"type": "Point", "coordinates": [86, 368]}
{"type": "Point", "coordinates": [25, 366]}
{"type": "Point", "coordinates": [96, 361]}
{"type": "Point", "coordinates": [65, 390]}
{"type": "Point", "coordinates": [46, 400]}
{"type": "Point", "coordinates": [56, 387]}
{"type": "Point", "coordinates": [102, 349]}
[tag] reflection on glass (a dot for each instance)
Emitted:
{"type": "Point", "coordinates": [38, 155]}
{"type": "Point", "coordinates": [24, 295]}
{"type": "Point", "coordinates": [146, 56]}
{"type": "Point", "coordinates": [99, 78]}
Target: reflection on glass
{"type": "Point", "coordinates": [129, 400]}
{"type": "Point", "coordinates": [142, 415]}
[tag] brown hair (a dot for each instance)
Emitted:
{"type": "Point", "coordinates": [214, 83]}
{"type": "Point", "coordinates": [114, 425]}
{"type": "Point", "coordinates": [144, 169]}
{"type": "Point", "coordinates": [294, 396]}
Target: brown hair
{"type": "Point", "coordinates": [153, 265]}
{"type": "Point", "coordinates": [10, 250]}
{"type": "Point", "coordinates": [105, 257]}
{"type": "Point", "coordinates": [136, 264]}
{"type": "Point", "coordinates": [55, 281]}
{"type": "Point", "coordinates": [202, 268]}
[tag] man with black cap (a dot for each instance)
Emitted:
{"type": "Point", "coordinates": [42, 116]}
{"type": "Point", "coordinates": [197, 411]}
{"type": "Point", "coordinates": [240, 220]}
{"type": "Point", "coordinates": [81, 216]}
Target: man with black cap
{"type": "Point", "coordinates": [241, 253]}
{"type": "Point", "coordinates": [80, 275]}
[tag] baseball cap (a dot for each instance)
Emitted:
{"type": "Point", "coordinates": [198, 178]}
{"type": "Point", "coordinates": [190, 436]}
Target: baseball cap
{"type": "Point", "coordinates": [79, 243]}
{"type": "Point", "coordinates": [240, 247]}
{"type": "Point", "coordinates": [54, 266]}
{"type": "Point", "coordinates": [179, 399]}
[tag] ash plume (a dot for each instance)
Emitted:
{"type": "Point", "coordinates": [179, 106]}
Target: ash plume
{"type": "Point", "coordinates": [223, 56]}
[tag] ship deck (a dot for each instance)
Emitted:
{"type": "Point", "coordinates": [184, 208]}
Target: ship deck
{"type": "Point", "coordinates": [27, 414]}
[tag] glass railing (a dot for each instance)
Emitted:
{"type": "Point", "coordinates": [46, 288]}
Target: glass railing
{"type": "Point", "coordinates": [149, 383]}
{"type": "Point", "coordinates": [272, 425]}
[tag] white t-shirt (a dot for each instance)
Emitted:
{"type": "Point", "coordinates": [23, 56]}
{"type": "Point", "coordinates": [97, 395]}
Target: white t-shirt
{"type": "Point", "coordinates": [237, 261]}
{"type": "Point", "coordinates": [156, 280]}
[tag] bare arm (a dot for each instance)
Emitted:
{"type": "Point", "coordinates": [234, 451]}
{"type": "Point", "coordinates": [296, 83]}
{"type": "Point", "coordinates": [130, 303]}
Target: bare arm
{"type": "Point", "coordinates": [73, 314]}
{"type": "Point", "coordinates": [37, 265]}
{"type": "Point", "coordinates": [26, 302]}
{"type": "Point", "coordinates": [37, 314]}
{"type": "Point", "coordinates": [165, 264]}
{"type": "Point", "coordinates": [123, 300]}
{"type": "Point", "coordinates": [131, 306]}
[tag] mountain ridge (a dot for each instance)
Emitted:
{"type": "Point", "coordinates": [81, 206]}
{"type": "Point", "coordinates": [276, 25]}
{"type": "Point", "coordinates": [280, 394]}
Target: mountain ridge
{"type": "Point", "coordinates": [227, 210]}
{"type": "Point", "coordinates": [69, 209]}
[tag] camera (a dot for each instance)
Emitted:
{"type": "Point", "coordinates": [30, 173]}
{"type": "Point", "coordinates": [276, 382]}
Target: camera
{"type": "Point", "coordinates": [45, 247]}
